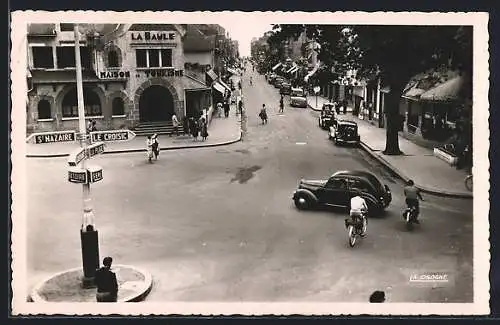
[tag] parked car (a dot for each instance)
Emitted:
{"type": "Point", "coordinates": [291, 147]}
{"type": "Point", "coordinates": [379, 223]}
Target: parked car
{"type": "Point", "coordinates": [344, 131]}
{"type": "Point", "coordinates": [272, 76]}
{"type": "Point", "coordinates": [278, 81]}
{"type": "Point", "coordinates": [286, 88]}
{"type": "Point", "coordinates": [338, 190]}
{"type": "Point", "coordinates": [298, 98]}
{"type": "Point", "coordinates": [328, 116]}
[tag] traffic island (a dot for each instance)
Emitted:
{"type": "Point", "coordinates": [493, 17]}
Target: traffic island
{"type": "Point", "coordinates": [134, 285]}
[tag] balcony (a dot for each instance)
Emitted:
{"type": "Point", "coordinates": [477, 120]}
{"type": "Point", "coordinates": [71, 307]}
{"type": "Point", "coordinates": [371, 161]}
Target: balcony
{"type": "Point", "coordinates": [42, 30]}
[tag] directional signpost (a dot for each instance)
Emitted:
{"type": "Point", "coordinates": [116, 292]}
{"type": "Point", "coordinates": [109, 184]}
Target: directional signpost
{"type": "Point", "coordinates": [114, 135]}
{"type": "Point", "coordinates": [51, 137]}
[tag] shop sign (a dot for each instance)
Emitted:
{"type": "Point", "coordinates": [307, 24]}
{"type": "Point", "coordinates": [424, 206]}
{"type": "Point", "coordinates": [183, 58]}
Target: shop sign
{"type": "Point", "coordinates": [52, 137]}
{"type": "Point", "coordinates": [114, 74]}
{"type": "Point", "coordinates": [77, 175]}
{"type": "Point", "coordinates": [153, 36]}
{"type": "Point", "coordinates": [169, 72]}
{"type": "Point", "coordinates": [114, 135]}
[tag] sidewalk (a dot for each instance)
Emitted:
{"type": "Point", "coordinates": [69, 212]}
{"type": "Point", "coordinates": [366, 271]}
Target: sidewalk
{"type": "Point", "coordinates": [222, 131]}
{"type": "Point", "coordinates": [430, 174]}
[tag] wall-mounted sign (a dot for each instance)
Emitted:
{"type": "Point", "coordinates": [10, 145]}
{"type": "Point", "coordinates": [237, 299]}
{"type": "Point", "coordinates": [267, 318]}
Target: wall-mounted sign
{"type": "Point", "coordinates": [168, 72]}
{"type": "Point", "coordinates": [51, 137]}
{"type": "Point", "coordinates": [114, 74]}
{"type": "Point", "coordinates": [115, 135]}
{"type": "Point", "coordinates": [153, 36]}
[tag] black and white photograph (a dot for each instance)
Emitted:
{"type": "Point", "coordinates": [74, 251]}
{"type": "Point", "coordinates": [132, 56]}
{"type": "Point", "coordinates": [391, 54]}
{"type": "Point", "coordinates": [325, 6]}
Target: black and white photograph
{"type": "Point", "coordinates": [250, 163]}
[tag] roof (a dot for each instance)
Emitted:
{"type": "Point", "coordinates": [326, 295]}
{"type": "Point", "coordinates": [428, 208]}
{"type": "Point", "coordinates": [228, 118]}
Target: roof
{"type": "Point", "coordinates": [154, 27]}
{"type": "Point", "coordinates": [360, 173]}
{"type": "Point", "coordinates": [199, 43]}
{"type": "Point", "coordinates": [446, 91]}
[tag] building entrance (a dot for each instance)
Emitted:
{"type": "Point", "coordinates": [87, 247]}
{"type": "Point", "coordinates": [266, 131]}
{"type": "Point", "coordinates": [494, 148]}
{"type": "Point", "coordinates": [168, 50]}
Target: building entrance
{"type": "Point", "coordinates": [156, 104]}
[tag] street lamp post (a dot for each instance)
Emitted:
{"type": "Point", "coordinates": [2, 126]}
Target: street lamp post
{"type": "Point", "coordinates": [88, 233]}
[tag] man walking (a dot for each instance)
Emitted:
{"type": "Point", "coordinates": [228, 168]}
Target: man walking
{"type": "Point", "coordinates": [282, 105]}
{"type": "Point", "coordinates": [105, 280]}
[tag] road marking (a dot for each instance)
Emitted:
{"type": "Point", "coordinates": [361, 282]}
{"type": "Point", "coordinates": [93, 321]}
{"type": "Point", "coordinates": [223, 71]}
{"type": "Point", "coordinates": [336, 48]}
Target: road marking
{"type": "Point", "coordinates": [300, 143]}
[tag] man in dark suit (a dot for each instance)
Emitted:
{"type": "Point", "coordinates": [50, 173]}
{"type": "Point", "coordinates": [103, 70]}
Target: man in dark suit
{"type": "Point", "coordinates": [105, 280]}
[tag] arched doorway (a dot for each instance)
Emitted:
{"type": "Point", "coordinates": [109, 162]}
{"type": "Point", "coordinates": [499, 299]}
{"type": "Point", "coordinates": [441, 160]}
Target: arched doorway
{"type": "Point", "coordinates": [156, 104]}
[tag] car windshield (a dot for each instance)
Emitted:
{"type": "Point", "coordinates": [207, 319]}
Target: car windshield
{"type": "Point", "coordinates": [345, 127]}
{"type": "Point", "coordinates": [298, 93]}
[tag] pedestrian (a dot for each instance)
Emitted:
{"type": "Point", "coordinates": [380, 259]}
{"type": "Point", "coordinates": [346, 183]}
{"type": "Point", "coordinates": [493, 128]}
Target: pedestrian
{"type": "Point", "coordinates": [240, 106]}
{"type": "Point", "coordinates": [105, 280]}
{"type": "Point", "coordinates": [175, 123]}
{"type": "Point", "coordinates": [155, 146]}
{"type": "Point", "coordinates": [226, 109]}
{"type": "Point", "coordinates": [195, 129]}
{"type": "Point", "coordinates": [94, 127]}
{"type": "Point", "coordinates": [219, 109]}
{"type": "Point", "coordinates": [263, 114]}
{"type": "Point", "coordinates": [185, 125]}
{"type": "Point", "coordinates": [377, 297]}
{"type": "Point", "coordinates": [89, 126]}
{"type": "Point", "coordinates": [204, 128]}
{"type": "Point", "coordinates": [344, 106]}
{"type": "Point", "coordinates": [282, 105]}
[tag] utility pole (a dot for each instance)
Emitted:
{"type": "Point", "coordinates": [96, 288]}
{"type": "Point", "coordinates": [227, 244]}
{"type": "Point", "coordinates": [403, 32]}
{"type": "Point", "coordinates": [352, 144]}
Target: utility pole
{"type": "Point", "coordinates": [88, 233]}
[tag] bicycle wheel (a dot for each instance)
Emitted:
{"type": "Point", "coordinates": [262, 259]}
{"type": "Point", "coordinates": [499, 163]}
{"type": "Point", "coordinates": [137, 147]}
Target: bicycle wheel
{"type": "Point", "coordinates": [468, 182]}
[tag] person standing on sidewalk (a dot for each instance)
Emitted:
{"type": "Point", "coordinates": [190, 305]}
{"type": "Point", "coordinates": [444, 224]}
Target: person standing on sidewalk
{"type": "Point", "coordinates": [185, 125]}
{"type": "Point", "coordinates": [175, 123]}
{"type": "Point", "coordinates": [203, 129]}
{"type": "Point", "coordinates": [282, 105]}
{"type": "Point", "coordinates": [105, 280]}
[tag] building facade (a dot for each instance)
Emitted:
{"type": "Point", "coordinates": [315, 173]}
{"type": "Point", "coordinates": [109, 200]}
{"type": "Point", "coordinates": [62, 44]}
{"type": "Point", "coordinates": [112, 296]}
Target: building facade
{"type": "Point", "coordinates": [132, 74]}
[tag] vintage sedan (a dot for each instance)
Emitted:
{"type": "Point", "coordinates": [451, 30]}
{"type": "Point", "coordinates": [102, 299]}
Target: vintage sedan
{"type": "Point", "coordinates": [338, 190]}
{"type": "Point", "coordinates": [298, 98]}
{"type": "Point", "coordinates": [344, 131]}
{"type": "Point", "coordinates": [286, 88]}
{"type": "Point", "coordinates": [278, 81]}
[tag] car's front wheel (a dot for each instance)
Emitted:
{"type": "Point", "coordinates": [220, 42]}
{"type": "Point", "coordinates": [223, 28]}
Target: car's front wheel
{"type": "Point", "coordinates": [302, 202]}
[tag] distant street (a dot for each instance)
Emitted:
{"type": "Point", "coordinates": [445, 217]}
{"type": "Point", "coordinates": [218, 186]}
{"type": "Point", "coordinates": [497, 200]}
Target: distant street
{"type": "Point", "coordinates": [218, 224]}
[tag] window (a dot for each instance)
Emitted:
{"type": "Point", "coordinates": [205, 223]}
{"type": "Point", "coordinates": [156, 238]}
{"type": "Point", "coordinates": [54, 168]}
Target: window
{"type": "Point", "coordinates": [42, 57]}
{"type": "Point", "coordinates": [154, 58]}
{"type": "Point", "coordinates": [118, 106]}
{"type": "Point", "coordinates": [141, 58]}
{"type": "Point", "coordinates": [90, 98]}
{"type": "Point", "coordinates": [337, 183]}
{"type": "Point", "coordinates": [67, 27]}
{"type": "Point", "coordinates": [146, 58]}
{"type": "Point", "coordinates": [66, 57]}
{"type": "Point", "coordinates": [113, 59]}
{"type": "Point", "coordinates": [357, 184]}
{"type": "Point", "coordinates": [166, 57]}
{"type": "Point", "coordinates": [44, 110]}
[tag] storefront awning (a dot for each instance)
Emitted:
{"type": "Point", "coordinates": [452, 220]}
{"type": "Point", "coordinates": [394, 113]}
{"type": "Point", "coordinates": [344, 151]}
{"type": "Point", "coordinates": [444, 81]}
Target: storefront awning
{"type": "Point", "coordinates": [224, 85]}
{"type": "Point", "coordinates": [212, 74]}
{"type": "Point", "coordinates": [232, 71]}
{"type": "Point", "coordinates": [413, 93]}
{"type": "Point", "coordinates": [447, 91]}
{"type": "Point", "coordinates": [190, 83]}
{"type": "Point", "coordinates": [220, 88]}
{"type": "Point", "coordinates": [276, 66]}
{"type": "Point", "coordinates": [293, 70]}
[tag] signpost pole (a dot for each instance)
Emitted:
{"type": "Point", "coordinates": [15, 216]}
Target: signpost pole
{"type": "Point", "coordinates": [88, 233]}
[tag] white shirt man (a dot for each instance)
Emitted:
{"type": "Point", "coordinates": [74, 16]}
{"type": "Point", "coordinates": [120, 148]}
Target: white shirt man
{"type": "Point", "coordinates": [358, 205]}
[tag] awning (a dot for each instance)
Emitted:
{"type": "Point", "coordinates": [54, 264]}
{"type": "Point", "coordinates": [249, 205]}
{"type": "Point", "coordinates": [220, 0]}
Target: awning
{"type": "Point", "coordinates": [294, 66]}
{"type": "Point", "coordinates": [446, 91]}
{"type": "Point", "coordinates": [212, 74]}
{"type": "Point", "coordinates": [220, 88]}
{"type": "Point", "coordinates": [309, 75]}
{"type": "Point", "coordinates": [232, 71]}
{"type": "Point", "coordinates": [276, 66]}
{"type": "Point", "coordinates": [293, 70]}
{"type": "Point", "coordinates": [190, 83]}
{"type": "Point", "coordinates": [413, 93]}
{"type": "Point", "coordinates": [224, 85]}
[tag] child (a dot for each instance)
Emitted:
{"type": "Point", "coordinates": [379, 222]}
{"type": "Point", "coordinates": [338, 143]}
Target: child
{"type": "Point", "coordinates": [156, 146]}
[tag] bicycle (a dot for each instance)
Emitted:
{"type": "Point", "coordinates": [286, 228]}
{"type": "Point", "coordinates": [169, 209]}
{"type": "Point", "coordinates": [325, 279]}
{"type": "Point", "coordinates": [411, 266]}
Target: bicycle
{"type": "Point", "coordinates": [468, 182]}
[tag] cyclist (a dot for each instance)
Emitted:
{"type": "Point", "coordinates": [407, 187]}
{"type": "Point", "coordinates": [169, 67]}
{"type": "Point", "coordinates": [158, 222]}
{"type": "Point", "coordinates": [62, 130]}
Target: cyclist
{"type": "Point", "coordinates": [412, 195]}
{"type": "Point", "coordinates": [358, 210]}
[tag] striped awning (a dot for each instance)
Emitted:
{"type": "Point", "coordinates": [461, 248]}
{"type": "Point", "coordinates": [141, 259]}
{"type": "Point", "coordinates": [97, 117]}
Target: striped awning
{"type": "Point", "coordinates": [212, 74]}
{"type": "Point", "coordinates": [294, 66]}
{"type": "Point", "coordinates": [225, 85]}
{"type": "Point", "coordinates": [232, 71]}
{"type": "Point", "coordinates": [276, 66]}
{"type": "Point", "coordinates": [293, 70]}
{"type": "Point", "coordinates": [220, 88]}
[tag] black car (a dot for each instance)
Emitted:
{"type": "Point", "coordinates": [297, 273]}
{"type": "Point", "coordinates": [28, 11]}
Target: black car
{"type": "Point", "coordinates": [344, 131]}
{"type": "Point", "coordinates": [340, 188]}
{"type": "Point", "coordinates": [286, 88]}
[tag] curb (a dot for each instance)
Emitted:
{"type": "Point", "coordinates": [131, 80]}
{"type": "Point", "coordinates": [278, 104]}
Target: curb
{"type": "Point", "coordinates": [136, 297]}
{"type": "Point", "coordinates": [402, 176]}
{"type": "Point", "coordinates": [314, 109]}
{"type": "Point", "coordinates": [217, 144]}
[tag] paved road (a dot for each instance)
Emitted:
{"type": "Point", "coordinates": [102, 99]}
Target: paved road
{"type": "Point", "coordinates": [218, 224]}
